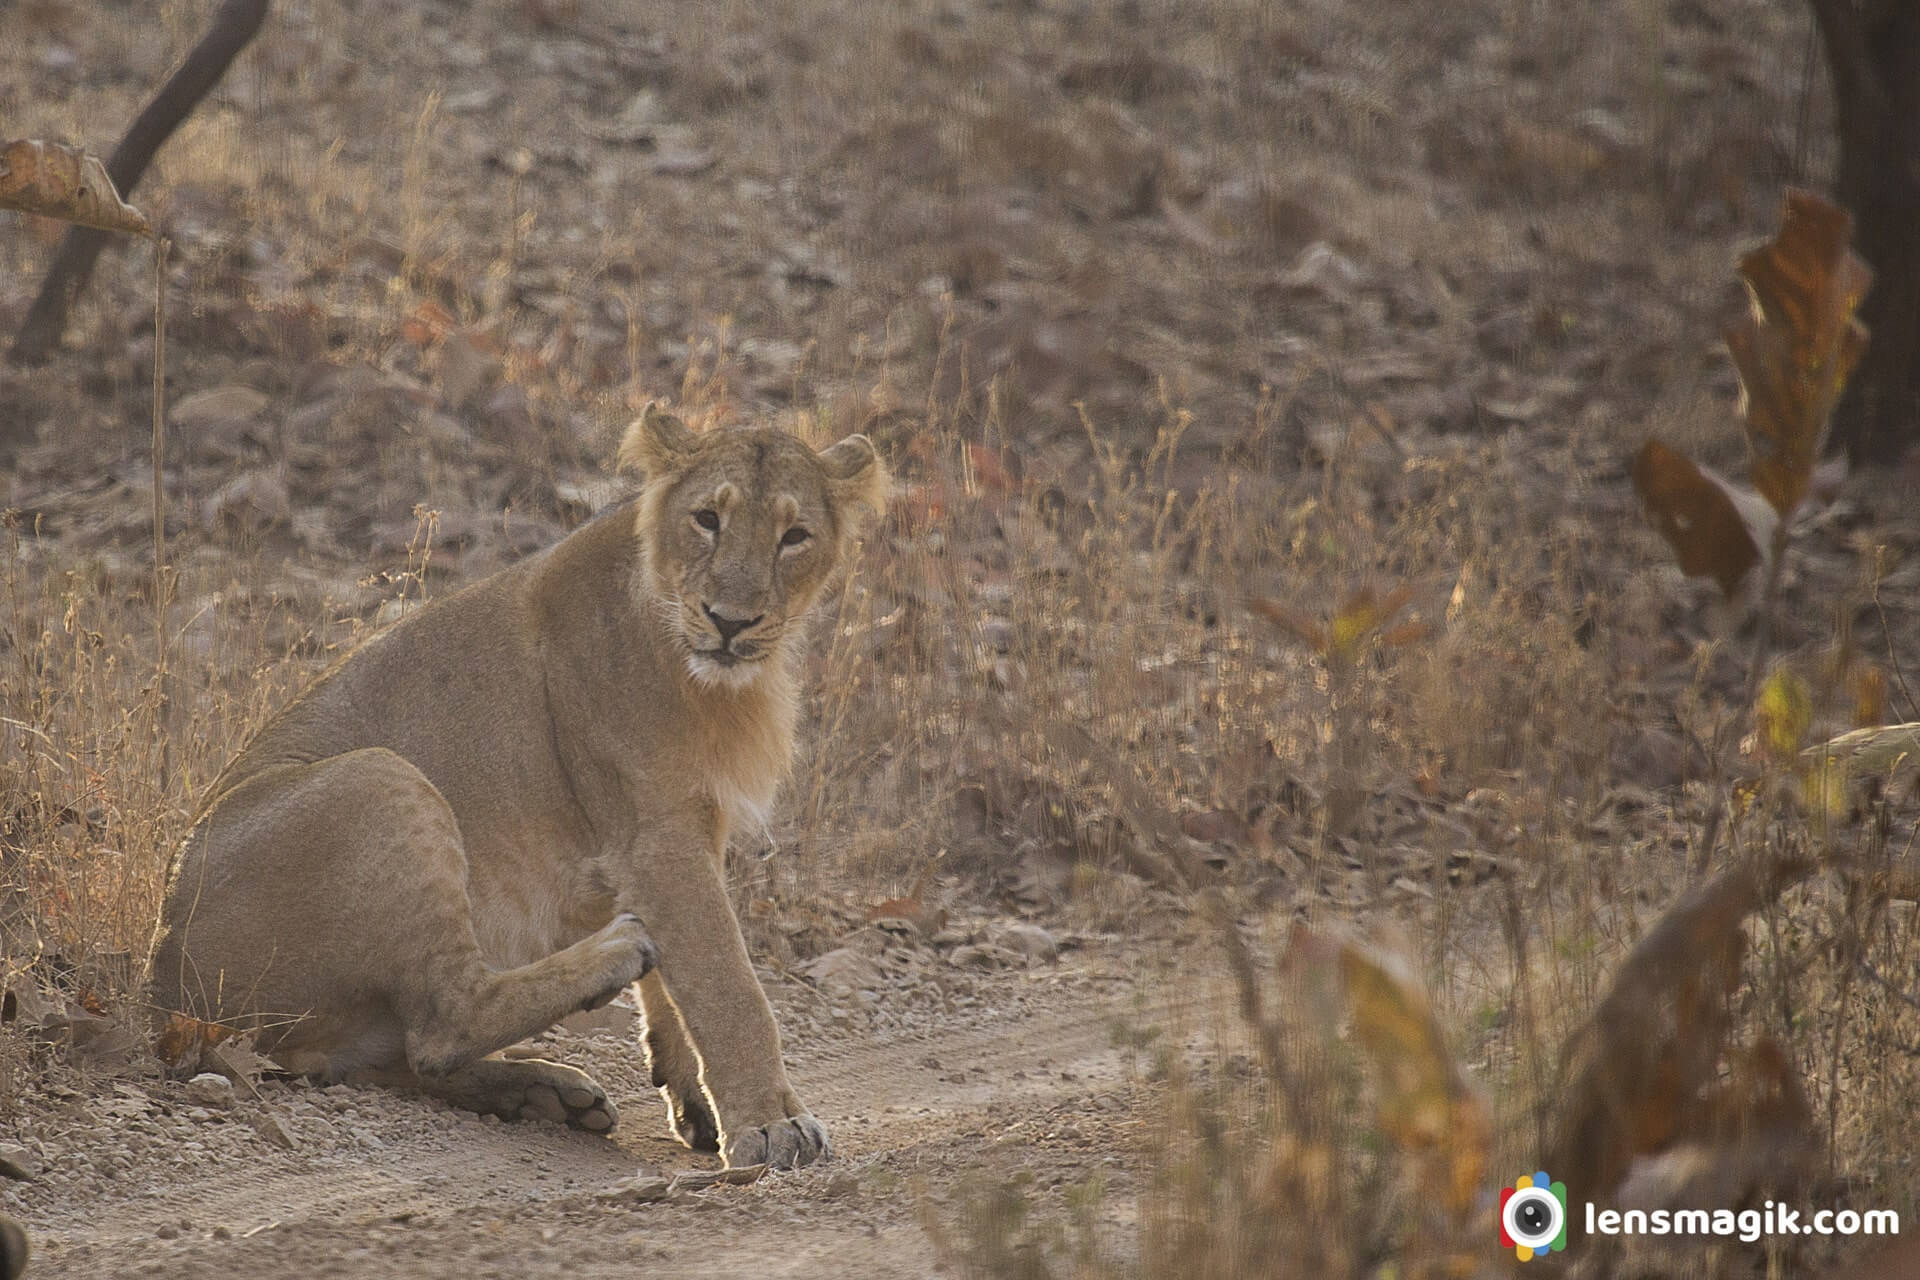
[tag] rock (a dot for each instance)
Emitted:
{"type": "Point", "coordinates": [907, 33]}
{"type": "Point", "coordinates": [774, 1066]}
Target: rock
{"type": "Point", "coordinates": [507, 415]}
{"type": "Point", "coordinates": [1031, 941]}
{"type": "Point", "coordinates": [843, 970]}
{"type": "Point", "coordinates": [1322, 269]}
{"type": "Point", "coordinates": [677, 158]}
{"type": "Point", "coordinates": [30, 1007]}
{"type": "Point", "coordinates": [251, 501]}
{"type": "Point", "coordinates": [216, 406]}
{"type": "Point", "coordinates": [210, 1089]}
{"type": "Point", "coordinates": [19, 1163]}
{"type": "Point", "coordinates": [467, 368]}
{"type": "Point", "coordinates": [274, 1130]}
{"type": "Point", "coordinates": [471, 101]}
{"type": "Point", "coordinates": [984, 955]}
{"type": "Point", "coordinates": [638, 123]}
{"type": "Point", "coordinates": [100, 1043]}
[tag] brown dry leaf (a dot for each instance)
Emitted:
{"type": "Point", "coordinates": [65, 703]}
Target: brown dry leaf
{"type": "Point", "coordinates": [1867, 683]}
{"type": "Point", "coordinates": [1532, 148]}
{"type": "Point", "coordinates": [1357, 621]}
{"type": "Point", "coordinates": [1360, 616]}
{"type": "Point", "coordinates": [912, 906]}
{"type": "Point", "coordinates": [1700, 515]}
{"type": "Point", "coordinates": [1298, 625]}
{"type": "Point", "coordinates": [1425, 1103]}
{"type": "Point", "coordinates": [1796, 347]}
{"type": "Point", "coordinates": [55, 180]}
{"type": "Point", "coordinates": [1635, 1077]}
{"type": "Point", "coordinates": [1405, 635]}
{"type": "Point", "coordinates": [185, 1038]}
{"type": "Point", "coordinates": [988, 470]}
{"type": "Point", "coordinates": [703, 1179]}
{"type": "Point", "coordinates": [1899, 1261]}
{"type": "Point", "coordinates": [427, 324]}
{"type": "Point", "coordinates": [240, 1062]}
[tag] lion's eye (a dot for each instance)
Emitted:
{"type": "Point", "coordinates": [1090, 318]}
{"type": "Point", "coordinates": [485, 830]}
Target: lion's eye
{"type": "Point", "coordinates": [707, 518]}
{"type": "Point", "coordinates": [794, 537]}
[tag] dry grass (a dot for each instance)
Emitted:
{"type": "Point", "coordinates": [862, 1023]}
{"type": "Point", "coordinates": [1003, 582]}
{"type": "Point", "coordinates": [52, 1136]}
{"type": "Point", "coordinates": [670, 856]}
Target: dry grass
{"type": "Point", "coordinates": [109, 742]}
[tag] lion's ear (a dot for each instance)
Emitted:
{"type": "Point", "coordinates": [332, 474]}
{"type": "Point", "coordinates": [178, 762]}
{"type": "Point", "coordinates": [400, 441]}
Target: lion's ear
{"type": "Point", "coordinates": [656, 443]}
{"type": "Point", "coordinates": [858, 478]}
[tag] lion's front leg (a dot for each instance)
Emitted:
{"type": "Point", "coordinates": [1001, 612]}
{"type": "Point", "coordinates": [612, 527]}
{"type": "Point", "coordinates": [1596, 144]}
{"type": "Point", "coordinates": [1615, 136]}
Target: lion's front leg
{"type": "Point", "coordinates": [725, 1017]}
{"type": "Point", "coordinates": [676, 1068]}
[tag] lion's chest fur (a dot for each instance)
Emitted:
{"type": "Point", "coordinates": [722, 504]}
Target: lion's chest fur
{"type": "Point", "coordinates": [719, 772]}
{"type": "Point", "coordinates": [748, 749]}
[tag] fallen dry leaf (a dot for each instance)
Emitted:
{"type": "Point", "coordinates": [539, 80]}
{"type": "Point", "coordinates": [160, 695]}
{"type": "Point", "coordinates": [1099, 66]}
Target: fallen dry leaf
{"type": "Point", "coordinates": [55, 180]}
{"type": "Point", "coordinates": [911, 906]}
{"type": "Point", "coordinates": [427, 324]}
{"type": "Point", "coordinates": [184, 1038]}
{"type": "Point", "coordinates": [987, 470]}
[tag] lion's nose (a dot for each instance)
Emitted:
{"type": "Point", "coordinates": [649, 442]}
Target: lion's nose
{"type": "Point", "coordinates": [729, 627]}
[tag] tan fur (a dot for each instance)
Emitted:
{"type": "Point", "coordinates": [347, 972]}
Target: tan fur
{"type": "Point", "coordinates": [513, 803]}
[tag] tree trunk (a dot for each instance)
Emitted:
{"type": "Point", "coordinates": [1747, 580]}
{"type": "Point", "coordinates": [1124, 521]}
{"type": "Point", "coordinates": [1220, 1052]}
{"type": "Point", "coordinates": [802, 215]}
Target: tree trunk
{"type": "Point", "coordinates": [1873, 56]}
{"type": "Point", "coordinates": [233, 27]}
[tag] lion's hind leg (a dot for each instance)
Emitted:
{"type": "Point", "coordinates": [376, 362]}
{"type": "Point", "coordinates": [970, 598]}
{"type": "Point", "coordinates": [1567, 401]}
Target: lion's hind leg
{"type": "Point", "coordinates": [513, 1089]}
{"type": "Point", "coordinates": [465, 1009]}
{"type": "Point", "coordinates": [328, 903]}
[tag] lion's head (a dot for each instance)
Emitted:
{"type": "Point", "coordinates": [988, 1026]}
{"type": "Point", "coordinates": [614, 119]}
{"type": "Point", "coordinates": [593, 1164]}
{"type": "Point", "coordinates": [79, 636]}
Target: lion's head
{"type": "Point", "coordinates": [742, 530]}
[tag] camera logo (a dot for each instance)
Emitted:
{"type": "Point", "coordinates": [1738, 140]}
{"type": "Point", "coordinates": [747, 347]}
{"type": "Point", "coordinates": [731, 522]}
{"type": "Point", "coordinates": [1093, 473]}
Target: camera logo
{"type": "Point", "coordinates": [1533, 1216]}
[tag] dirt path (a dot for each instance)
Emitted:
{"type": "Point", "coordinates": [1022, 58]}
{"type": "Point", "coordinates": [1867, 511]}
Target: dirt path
{"type": "Point", "coordinates": [139, 1180]}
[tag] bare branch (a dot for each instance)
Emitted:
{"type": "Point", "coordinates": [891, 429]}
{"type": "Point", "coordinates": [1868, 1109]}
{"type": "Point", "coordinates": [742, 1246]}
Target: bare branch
{"type": "Point", "coordinates": [232, 29]}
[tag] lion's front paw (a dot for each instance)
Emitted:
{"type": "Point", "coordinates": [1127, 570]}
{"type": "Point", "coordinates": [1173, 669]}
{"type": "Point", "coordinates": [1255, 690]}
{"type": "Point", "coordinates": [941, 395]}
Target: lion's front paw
{"type": "Point", "coordinates": [784, 1144]}
{"type": "Point", "coordinates": [627, 953]}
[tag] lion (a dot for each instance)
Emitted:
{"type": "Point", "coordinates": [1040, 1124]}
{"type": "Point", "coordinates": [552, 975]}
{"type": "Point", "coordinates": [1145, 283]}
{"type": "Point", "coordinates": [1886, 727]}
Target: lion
{"type": "Point", "coordinates": [515, 803]}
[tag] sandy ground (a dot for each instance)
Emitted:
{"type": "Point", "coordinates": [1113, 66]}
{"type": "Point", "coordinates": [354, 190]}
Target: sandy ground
{"type": "Point", "coordinates": [140, 1179]}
